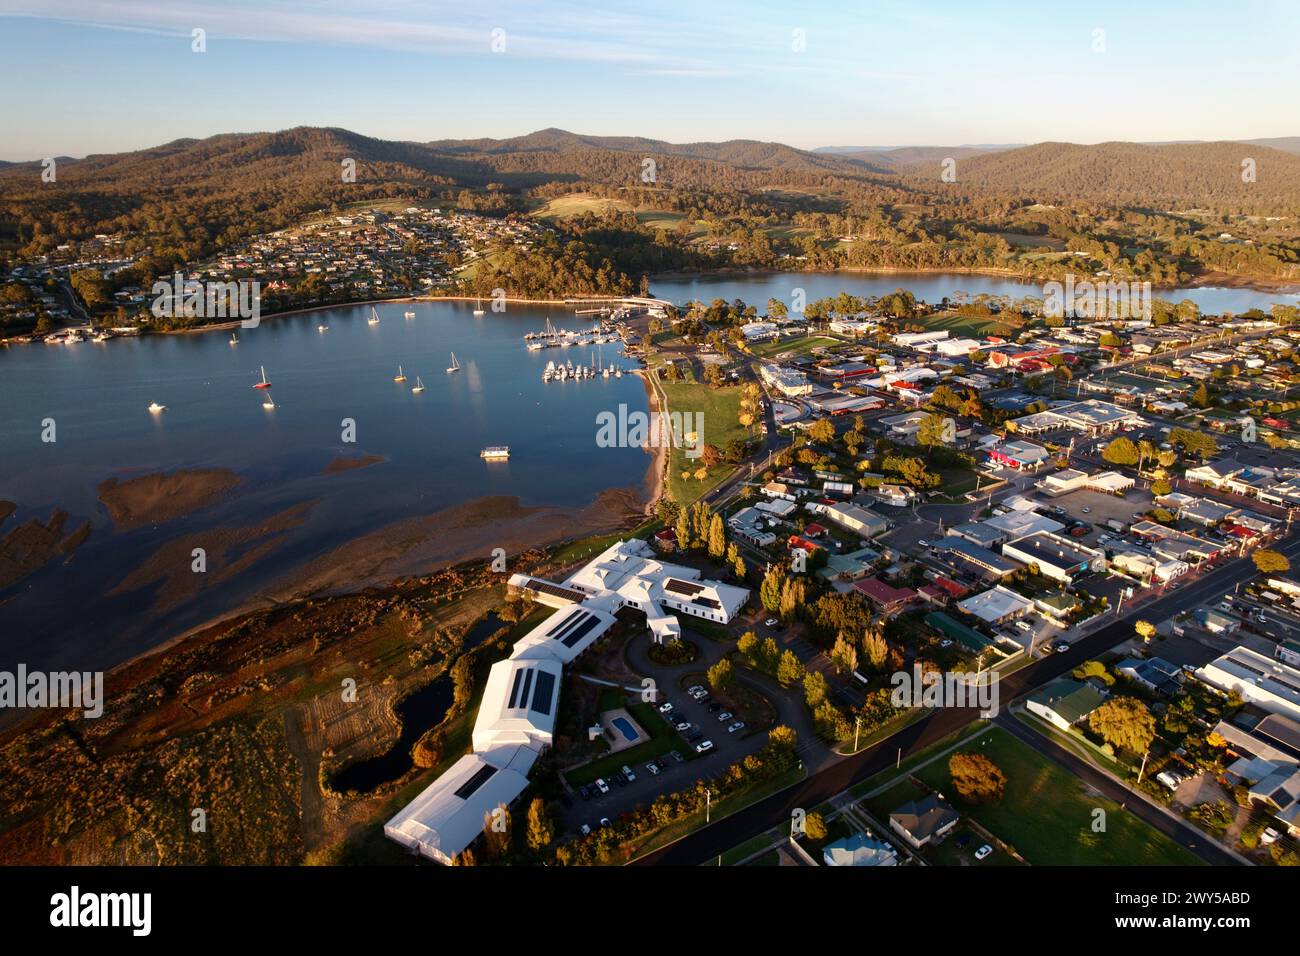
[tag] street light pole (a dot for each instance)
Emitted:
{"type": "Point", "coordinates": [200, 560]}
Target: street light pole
{"type": "Point", "coordinates": [857, 726]}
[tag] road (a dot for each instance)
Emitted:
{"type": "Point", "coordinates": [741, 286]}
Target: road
{"type": "Point", "coordinates": [711, 841]}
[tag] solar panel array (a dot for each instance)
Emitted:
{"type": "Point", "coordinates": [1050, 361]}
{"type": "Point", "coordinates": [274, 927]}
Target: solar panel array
{"type": "Point", "coordinates": [542, 692]}
{"type": "Point", "coordinates": [480, 777]}
{"type": "Point", "coordinates": [574, 627]}
{"type": "Point", "coordinates": [546, 587]}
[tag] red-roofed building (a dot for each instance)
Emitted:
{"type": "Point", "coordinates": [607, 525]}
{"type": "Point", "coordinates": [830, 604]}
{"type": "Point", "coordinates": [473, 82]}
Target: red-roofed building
{"type": "Point", "coordinates": [796, 541]}
{"type": "Point", "coordinates": [954, 589]}
{"type": "Point", "coordinates": [814, 530]}
{"type": "Point", "coordinates": [884, 596]}
{"type": "Point", "coordinates": [666, 540]}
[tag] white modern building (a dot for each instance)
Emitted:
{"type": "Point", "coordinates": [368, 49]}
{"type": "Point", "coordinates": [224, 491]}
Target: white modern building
{"type": "Point", "coordinates": [1262, 681]}
{"type": "Point", "coordinates": [516, 719]}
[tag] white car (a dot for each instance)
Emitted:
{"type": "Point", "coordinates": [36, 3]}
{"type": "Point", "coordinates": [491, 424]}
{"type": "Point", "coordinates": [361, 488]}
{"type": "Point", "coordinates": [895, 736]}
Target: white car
{"type": "Point", "coordinates": [771, 622]}
{"type": "Point", "coordinates": [1024, 625]}
{"type": "Point", "coordinates": [983, 851]}
{"type": "Point", "coordinates": [585, 830]}
{"type": "Point", "coordinates": [946, 642]}
{"type": "Point", "coordinates": [738, 725]}
{"type": "Point", "coordinates": [601, 785]}
{"type": "Point", "coordinates": [627, 772]}
{"type": "Point", "coordinates": [653, 768]}
{"type": "Point", "coordinates": [666, 707]}
{"type": "Point", "coordinates": [704, 746]}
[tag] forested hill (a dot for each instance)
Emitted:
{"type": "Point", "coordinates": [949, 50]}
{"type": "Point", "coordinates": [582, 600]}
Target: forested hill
{"type": "Point", "coordinates": [1172, 176]}
{"type": "Point", "coordinates": [189, 197]}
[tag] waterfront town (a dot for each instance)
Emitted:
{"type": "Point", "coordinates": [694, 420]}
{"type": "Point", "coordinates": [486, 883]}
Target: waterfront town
{"type": "Point", "coordinates": [1089, 512]}
{"type": "Point", "coordinates": [1103, 503]}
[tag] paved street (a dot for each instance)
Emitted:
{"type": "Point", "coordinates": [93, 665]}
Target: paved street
{"type": "Point", "coordinates": [706, 843]}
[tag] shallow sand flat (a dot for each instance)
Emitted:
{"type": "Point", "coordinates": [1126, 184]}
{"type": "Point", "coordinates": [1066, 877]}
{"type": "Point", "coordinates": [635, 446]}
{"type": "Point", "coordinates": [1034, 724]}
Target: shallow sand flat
{"type": "Point", "coordinates": [460, 533]}
{"type": "Point", "coordinates": [228, 551]}
{"type": "Point", "coordinates": [28, 547]}
{"type": "Point", "coordinates": [347, 464]}
{"type": "Point", "coordinates": [162, 496]}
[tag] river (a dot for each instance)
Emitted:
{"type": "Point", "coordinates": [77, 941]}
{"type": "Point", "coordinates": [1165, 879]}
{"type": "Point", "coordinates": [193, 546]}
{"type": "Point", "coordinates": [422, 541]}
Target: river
{"type": "Point", "coordinates": [756, 288]}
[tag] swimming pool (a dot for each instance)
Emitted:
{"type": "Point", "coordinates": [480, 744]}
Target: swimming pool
{"type": "Point", "coordinates": [625, 727]}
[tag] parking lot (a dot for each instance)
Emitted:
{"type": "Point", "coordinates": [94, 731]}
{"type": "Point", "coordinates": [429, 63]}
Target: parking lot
{"type": "Point", "coordinates": [672, 770]}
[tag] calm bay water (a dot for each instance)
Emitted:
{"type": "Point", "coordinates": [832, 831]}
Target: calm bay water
{"type": "Point", "coordinates": [757, 288]}
{"type": "Point", "coordinates": [98, 396]}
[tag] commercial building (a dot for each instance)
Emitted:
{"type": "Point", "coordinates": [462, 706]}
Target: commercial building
{"type": "Point", "coordinates": [1058, 558]}
{"type": "Point", "coordinates": [975, 560]}
{"type": "Point", "coordinates": [517, 716]}
{"type": "Point", "coordinates": [1267, 683]}
{"type": "Point", "coordinates": [1020, 455]}
{"type": "Point", "coordinates": [860, 521]}
{"type": "Point", "coordinates": [788, 382]}
{"type": "Point", "coordinates": [997, 605]}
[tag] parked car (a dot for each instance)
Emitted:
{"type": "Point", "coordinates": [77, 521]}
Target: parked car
{"type": "Point", "coordinates": [653, 768]}
{"type": "Point", "coordinates": [584, 830]}
{"type": "Point", "coordinates": [601, 785]}
{"type": "Point", "coordinates": [983, 851]}
{"type": "Point", "coordinates": [946, 643]}
{"type": "Point", "coordinates": [1060, 647]}
{"type": "Point", "coordinates": [704, 746]}
{"type": "Point", "coordinates": [1086, 510]}
{"type": "Point", "coordinates": [666, 707]}
{"type": "Point", "coordinates": [725, 715]}
{"type": "Point", "coordinates": [584, 792]}
{"type": "Point", "coordinates": [695, 689]}
{"type": "Point", "coordinates": [771, 622]}
{"type": "Point", "coordinates": [738, 725]}
{"type": "Point", "coordinates": [627, 772]}
{"type": "Point", "coordinates": [675, 756]}
{"type": "Point", "coordinates": [604, 822]}
{"type": "Point", "coordinates": [1024, 625]}
{"type": "Point", "coordinates": [619, 779]}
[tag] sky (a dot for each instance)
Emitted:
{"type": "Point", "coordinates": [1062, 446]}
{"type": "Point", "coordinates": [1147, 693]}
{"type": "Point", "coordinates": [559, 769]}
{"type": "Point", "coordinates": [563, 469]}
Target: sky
{"type": "Point", "coordinates": [97, 76]}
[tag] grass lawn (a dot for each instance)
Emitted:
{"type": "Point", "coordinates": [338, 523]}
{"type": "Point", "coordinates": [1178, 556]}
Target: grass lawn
{"type": "Point", "coordinates": [720, 408]}
{"type": "Point", "coordinates": [1046, 813]}
{"type": "Point", "coordinates": [586, 547]}
{"type": "Point", "coordinates": [799, 346]}
{"type": "Point", "coordinates": [968, 326]}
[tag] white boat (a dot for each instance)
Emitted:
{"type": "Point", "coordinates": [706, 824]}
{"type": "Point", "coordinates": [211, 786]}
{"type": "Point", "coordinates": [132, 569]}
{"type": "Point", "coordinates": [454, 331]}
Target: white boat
{"type": "Point", "coordinates": [374, 317]}
{"type": "Point", "coordinates": [268, 403]}
{"type": "Point", "coordinates": [478, 306]}
{"type": "Point", "coordinates": [454, 366]}
{"type": "Point", "coordinates": [495, 452]}
{"type": "Point", "coordinates": [418, 387]}
{"type": "Point", "coordinates": [400, 376]}
{"type": "Point", "coordinates": [322, 327]}
{"type": "Point", "coordinates": [101, 337]}
{"type": "Point", "coordinates": [156, 408]}
{"type": "Point", "coordinates": [234, 339]}
{"type": "Point", "coordinates": [536, 346]}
